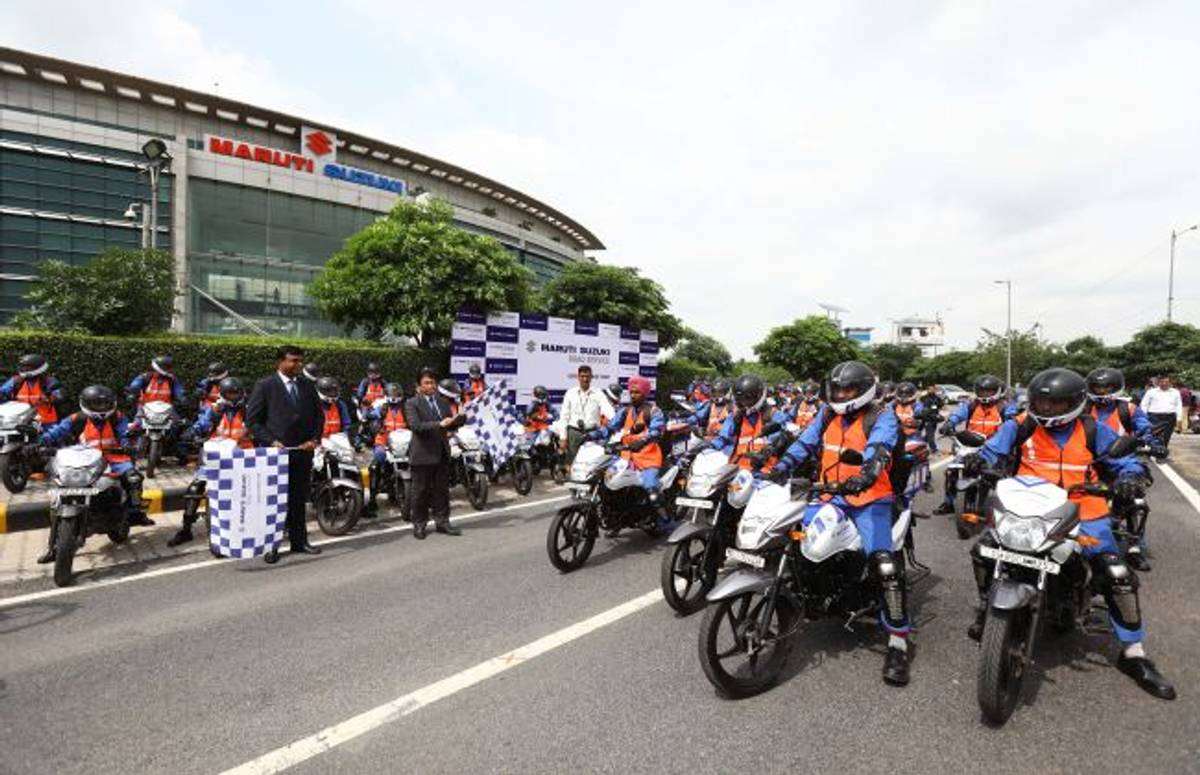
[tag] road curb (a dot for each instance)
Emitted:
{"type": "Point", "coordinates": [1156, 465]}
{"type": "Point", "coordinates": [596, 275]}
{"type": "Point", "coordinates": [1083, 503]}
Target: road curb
{"type": "Point", "coordinates": [35, 515]}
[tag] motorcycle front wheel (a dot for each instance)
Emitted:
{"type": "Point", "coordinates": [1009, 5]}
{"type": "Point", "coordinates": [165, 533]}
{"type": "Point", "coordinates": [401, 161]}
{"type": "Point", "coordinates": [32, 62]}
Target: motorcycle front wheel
{"type": "Point", "coordinates": [64, 551]}
{"type": "Point", "coordinates": [571, 536]}
{"type": "Point", "coordinates": [14, 472]}
{"type": "Point", "coordinates": [742, 650]}
{"type": "Point", "coordinates": [522, 471]}
{"type": "Point", "coordinates": [476, 483]}
{"type": "Point", "coordinates": [1002, 662]}
{"type": "Point", "coordinates": [338, 509]}
{"type": "Point", "coordinates": [154, 452]}
{"type": "Point", "coordinates": [398, 495]}
{"type": "Point", "coordinates": [558, 473]}
{"type": "Point", "coordinates": [682, 576]}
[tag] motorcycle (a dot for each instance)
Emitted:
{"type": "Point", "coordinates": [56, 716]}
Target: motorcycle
{"type": "Point", "coordinates": [337, 491]}
{"type": "Point", "coordinates": [607, 493]}
{"type": "Point", "coordinates": [84, 501]}
{"type": "Point", "coordinates": [469, 465]}
{"type": "Point", "coordinates": [19, 453]}
{"type": "Point", "coordinates": [972, 492]}
{"type": "Point", "coordinates": [787, 572]}
{"type": "Point", "coordinates": [395, 478]}
{"type": "Point", "coordinates": [544, 453]}
{"type": "Point", "coordinates": [157, 426]}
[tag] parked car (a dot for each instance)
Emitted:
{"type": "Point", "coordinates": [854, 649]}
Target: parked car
{"type": "Point", "coordinates": [953, 393]}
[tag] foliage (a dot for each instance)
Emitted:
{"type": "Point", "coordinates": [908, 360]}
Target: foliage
{"type": "Point", "coordinates": [80, 360]}
{"type": "Point", "coordinates": [806, 348]}
{"type": "Point", "coordinates": [957, 367]}
{"type": "Point", "coordinates": [118, 292]}
{"type": "Point", "coordinates": [772, 375]}
{"type": "Point", "coordinates": [1164, 348]}
{"type": "Point", "coordinates": [611, 294]}
{"type": "Point", "coordinates": [410, 272]}
{"type": "Point", "coordinates": [703, 350]}
{"type": "Point", "coordinates": [674, 375]}
{"type": "Point", "coordinates": [892, 361]}
{"type": "Point", "coordinates": [1030, 354]}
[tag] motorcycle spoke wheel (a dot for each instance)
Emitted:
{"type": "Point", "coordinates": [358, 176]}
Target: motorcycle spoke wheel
{"type": "Point", "coordinates": [338, 511]}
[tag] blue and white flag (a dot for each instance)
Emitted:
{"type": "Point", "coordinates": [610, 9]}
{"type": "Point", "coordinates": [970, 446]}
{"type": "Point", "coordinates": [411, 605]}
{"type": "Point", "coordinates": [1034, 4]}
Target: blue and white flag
{"type": "Point", "coordinates": [492, 416]}
{"type": "Point", "coordinates": [247, 498]}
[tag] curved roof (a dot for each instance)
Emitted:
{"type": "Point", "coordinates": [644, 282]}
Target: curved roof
{"type": "Point", "coordinates": [95, 79]}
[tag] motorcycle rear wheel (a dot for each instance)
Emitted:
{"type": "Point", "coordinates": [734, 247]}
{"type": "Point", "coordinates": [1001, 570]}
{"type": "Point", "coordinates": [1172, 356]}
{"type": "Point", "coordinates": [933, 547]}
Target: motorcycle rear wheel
{"type": "Point", "coordinates": [522, 471]}
{"type": "Point", "coordinates": [14, 472]}
{"type": "Point", "coordinates": [476, 483]}
{"type": "Point", "coordinates": [729, 627]}
{"type": "Point", "coordinates": [338, 509]}
{"type": "Point", "coordinates": [682, 576]}
{"type": "Point", "coordinates": [557, 473]}
{"type": "Point", "coordinates": [571, 536]}
{"type": "Point", "coordinates": [1002, 663]}
{"type": "Point", "coordinates": [64, 552]}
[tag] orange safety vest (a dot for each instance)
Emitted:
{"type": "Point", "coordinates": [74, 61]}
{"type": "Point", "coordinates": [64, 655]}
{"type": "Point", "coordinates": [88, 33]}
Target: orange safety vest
{"type": "Point", "coordinates": [103, 438]}
{"type": "Point", "coordinates": [1114, 418]}
{"type": "Point", "coordinates": [985, 419]}
{"type": "Point", "coordinates": [333, 420]}
{"type": "Point", "coordinates": [31, 393]}
{"type": "Point", "coordinates": [806, 412]}
{"type": "Point", "coordinates": [905, 414]}
{"type": "Point", "coordinates": [475, 388]}
{"type": "Point", "coordinates": [748, 442]}
{"type": "Point", "coordinates": [157, 389]}
{"type": "Point", "coordinates": [373, 393]}
{"type": "Point", "coordinates": [212, 396]}
{"type": "Point", "coordinates": [839, 436]}
{"type": "Point", "coordinates": [1063, 466]}
{"type": "Point", "coordinates": [538, 419]}
{"type": "Point", "coordinates": [716, 418]}
{"type": "Point", "coordinates": [393, 420]}
{"type": "Point", "coordinates": [233, 427]}
{"type": "Point", "coordinates": [649, 456]}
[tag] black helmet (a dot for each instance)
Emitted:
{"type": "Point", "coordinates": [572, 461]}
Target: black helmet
{"type": "Point", "coordinates": [312, 372]}
{"type": "Point", "coordinates": [232, 391]}
{"type": "Point", "coordinates": [97, 402]}
{"type": "Point", "coordinates": [851, 386]}
{"type": "Point", "coordinates": [540, 394]}
{"type": "Point", "coordinates": [474, 371]}
{"type": "Point", "coordinates": [1104, 383]}
{"type": "Point", "coordinates": [328, 388]}
{"type": "Point", "coordinates": [811, 389]}
{"type": "Point", "coordinates": [450, 388]}
{"type": "Point", "coordinates": [613, 394]}
{"type": "Point", "coordinates": [988, 389]}
{"type": "Point", "coordinates": [217, 371]}
{"type": "Point", "coordinates": [906, 392]}
{"type": "Point", "coordinates": [393, 392]}
{"type": "Point", "coordinates": [749, 392]}
{"type": "Point", "coordinates": [722, 389]}
{"type": "Point", "coordinates": [163, 364]}
{"type": "Point", "coordinates": [1056, 397]}
{"type": "Point", "coordinates": [887, 390]}
{"type": "Point", "coordinates": [373, 370]}
{"type": "Point", "coordinates": [32, 365]}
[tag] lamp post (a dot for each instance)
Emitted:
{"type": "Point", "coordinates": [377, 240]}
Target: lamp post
{"type": "Point", "coordinates": [137, 211]}
{"type": "Point", "coordinates": [157, 161]}
{"type": "Point", "coordinates": [1171, 275]}
{"type": "Point", "coordinates": [1008, 332]}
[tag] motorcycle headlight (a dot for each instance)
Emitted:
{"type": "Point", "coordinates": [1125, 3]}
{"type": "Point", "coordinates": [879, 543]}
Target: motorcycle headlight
{"type": "Point", "coordinates": [1021, 534]}
{"type": "Point", "coordinates": [73, 477]}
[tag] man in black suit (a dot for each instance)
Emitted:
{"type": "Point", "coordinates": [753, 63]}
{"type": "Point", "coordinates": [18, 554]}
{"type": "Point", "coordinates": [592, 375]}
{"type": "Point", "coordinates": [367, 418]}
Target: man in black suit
{"type": "Point", "coordinates": [430, 419]}
{"type": "Point", "coordinates": [284, 411]}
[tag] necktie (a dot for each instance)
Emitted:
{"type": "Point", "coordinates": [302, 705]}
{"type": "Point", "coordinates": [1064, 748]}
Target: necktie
{"type": "Point", "coordinates": [291, 390]}
{"type": "Point", "coordinates": [433, 405]}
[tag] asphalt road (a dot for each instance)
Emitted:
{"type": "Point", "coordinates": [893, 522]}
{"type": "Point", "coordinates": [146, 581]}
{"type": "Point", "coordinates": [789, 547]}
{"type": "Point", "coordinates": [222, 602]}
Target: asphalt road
{"type": "Point", "coordinates": [210, 668]}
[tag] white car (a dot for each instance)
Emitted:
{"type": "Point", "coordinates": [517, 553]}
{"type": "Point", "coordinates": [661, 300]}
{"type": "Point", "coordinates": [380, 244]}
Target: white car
{"type": "Point", "coordinates": [954, 393]}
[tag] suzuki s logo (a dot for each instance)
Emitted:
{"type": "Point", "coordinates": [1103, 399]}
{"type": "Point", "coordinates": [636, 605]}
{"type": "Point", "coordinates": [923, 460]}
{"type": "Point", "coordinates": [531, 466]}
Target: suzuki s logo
{"type": "Point", "coordinates": [531, 346]}
{"type": "Point", "coordinates": [318, 142]}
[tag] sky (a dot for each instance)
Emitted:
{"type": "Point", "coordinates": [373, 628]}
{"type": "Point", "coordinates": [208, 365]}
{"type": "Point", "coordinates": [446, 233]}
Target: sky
{"type": "Point", "coordinates": [758, 159]}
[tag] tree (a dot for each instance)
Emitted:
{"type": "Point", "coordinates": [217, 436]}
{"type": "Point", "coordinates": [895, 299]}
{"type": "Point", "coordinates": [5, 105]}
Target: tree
{"type": "Point", "coordinates": [892, 361]}
{"type": "Point", "coordinates": [1030, 354]}
{"type": "Point", "coordinates": [807, 347]}
{"type": "Point", "coordinates": [1086, 353]}
{"type": "Point", "coordinates": [1163, 348]}
{"type": "Point", "coordinates": [120, 292]}
{"type": "Point", "coordinates": [957, 367]}
{"type": "Point", "coordinates": [772, 375]}
{"type": "Point", "coordinates": [611, 294]}
{"type": "Point", "coordinates": [410, 272]}
{"type": "Point", "coordinates": [704, 351]}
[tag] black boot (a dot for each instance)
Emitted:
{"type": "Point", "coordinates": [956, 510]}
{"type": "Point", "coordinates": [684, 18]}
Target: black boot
{"type": "Point", "coordinates": [895, 667]}
{"type": "Point", "coordinates": [1143, 672]}
{"type": "Point", "coordinates": [47, 557]}
{"type": "Point", "coordinates": [1137, 560]}
{"type": "Point", "coordinates": [975, 631]}
{"type": "Point", "coordinates": [182, 537]}
{"type": "Point", "coordinates": [944, 508]}
{"type": "Point", "coordinates": [138, 518]}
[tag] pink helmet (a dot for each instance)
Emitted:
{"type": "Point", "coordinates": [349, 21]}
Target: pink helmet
{"type": "Point", "coordinates": [640, 383]}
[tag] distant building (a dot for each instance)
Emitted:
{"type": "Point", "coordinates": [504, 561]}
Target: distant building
{"type": "Point", "coordinates": [860, 334]}
{"type": "Point", "coordinates": [929, 334]}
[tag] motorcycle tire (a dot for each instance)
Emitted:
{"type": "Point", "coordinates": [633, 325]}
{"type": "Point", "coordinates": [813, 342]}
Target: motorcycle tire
{"type": "Point", "coordinates": [477, 489]}
{"type": "Point", "coordinates": [571, 536]}
{"type": "Point", "coordinates": [119, 534]}
{"type": "Point", "coordinates": [737, 616]}
{"type": "Point", "coordinates": [338, 509]}
{"type": "Point", "coordinates": [154, 452]}
{"type": "Point", "coordinates": [14, 472]}
{"type": "Point", "coordinates": [64, 552]}
{"type": "Point", "coordinates": [557, 473]}
{"type": "Point", "coordinates": [683, 563]}
{"type": "Point", "coordinates": [399, 496]}
{"type": "Point", "coordinates": [1002, 663]}
{"type": "Point", "coordinates": [522, 471]}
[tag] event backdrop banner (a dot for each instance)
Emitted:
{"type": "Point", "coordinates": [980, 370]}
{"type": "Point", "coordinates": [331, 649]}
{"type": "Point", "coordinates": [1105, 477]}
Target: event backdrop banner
{"type": "Point", "coordinates": [530, 350]}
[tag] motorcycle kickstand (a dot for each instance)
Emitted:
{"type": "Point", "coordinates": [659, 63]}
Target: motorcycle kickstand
{"type": "Point", "coordinates": [922, 570]}
{"type": "Point", "coordinates": [855, 616]}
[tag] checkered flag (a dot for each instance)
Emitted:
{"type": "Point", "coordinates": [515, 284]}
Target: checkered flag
{"type": "Point", "coordinates": [492, 415]}
{"type": "Point", "coordinates": [247, 498]}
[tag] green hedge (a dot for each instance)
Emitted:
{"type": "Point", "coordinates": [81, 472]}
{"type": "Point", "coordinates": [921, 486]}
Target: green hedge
{"type": "Point", "coordinates": [80, 360]}
{"type": "Point", "coordinates": [674, 374]}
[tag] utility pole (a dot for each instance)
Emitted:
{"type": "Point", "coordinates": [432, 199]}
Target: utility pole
{"type": "Point", "coordinates": [1171, 274]}
{"type": "Point", "coordinates": [1008, 332]}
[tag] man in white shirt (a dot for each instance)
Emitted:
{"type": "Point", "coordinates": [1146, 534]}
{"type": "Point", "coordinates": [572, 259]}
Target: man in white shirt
{"type": "Point", "coordinates": [1164, 406]}
{"type": "Point", "coordinates": [582, 408]}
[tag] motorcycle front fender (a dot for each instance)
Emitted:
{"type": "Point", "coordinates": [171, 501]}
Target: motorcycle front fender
{"type": "Point", "coordinates": [477, 466]}
{"type": "Point", "coordinates": [742, 581]}
{"type": "Point", "coordinates": [686, 531]}
{"type": "Point", "coordinates": [10, 447]}
{"type": "Point", "coordinates": [1009, 595]}
{"type": "Point", "coordinates": [344, 482]}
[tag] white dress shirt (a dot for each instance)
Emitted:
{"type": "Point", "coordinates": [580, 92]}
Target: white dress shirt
{"type": "Point", "coordinates": [578, 405]}
{"type": "Point", "coordinates": [1159, 401]}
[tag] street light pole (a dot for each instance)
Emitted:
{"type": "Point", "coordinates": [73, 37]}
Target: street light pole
{"type": "Point", "coordinates": [1008, 332]}
{"type": "Point", "coordinates": [1171, 274]}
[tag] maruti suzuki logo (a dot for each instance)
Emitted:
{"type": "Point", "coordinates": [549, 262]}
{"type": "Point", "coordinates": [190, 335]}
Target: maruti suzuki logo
{"type": "Point", "coordinates": [319, 143]}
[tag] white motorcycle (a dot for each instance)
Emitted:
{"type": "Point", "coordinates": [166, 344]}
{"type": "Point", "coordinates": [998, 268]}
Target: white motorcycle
{"type": "Point", "coordinates": [19, 429]}
{"type": "Point", "coordinates": [158, 423]}
{"type": "Point", "coordinates": [84, 501]}
{"type": "Point", "coordinates": [786, 572]}
{"type": "Point", "coordinates": [396, 476]}
{"type": "Point", "coordinates": [469, 465]}
{"type": "Point", "coordinates": [971, 492]}
{"type": "Point", "coordinates": [337, 491]}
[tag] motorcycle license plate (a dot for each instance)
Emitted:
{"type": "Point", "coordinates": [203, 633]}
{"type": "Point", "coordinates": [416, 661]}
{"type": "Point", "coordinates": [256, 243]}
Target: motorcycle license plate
{"type": "Point", "coordinates": [693, 503]}
{"type": "Point", "coordinates": [67, 492]}
{"type": "Point", "coordinates": [582, 489]}
{"type": "Point", "coordinates": [745, 558]}
{"type": "Point", "coordinates": [1013, 558]}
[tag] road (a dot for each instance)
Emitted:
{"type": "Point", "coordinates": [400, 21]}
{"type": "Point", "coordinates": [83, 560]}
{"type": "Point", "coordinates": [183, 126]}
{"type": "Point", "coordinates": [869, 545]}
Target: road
{"type": "Point", "coordinates": [215, 665]}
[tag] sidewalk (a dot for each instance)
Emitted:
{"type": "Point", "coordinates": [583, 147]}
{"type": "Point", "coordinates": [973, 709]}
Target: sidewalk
{"type": "Point", "coordinates": [1185, 456]}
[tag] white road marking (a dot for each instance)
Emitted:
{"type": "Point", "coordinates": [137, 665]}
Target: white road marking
{"type": "Point", "coordinates": [331, 737]}
{"type": "Point", "coordinates": [1186, 490]}
{"type": "Point", "coordinates": [151, 574]}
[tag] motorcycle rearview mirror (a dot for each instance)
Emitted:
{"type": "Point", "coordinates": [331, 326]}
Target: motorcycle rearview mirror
{"type": "Point", "coordinates": [970, 438]}
{"type": "Point", "coordinates": [850, 457]}
{"type": "Point", "coordinates": [1126, 445]}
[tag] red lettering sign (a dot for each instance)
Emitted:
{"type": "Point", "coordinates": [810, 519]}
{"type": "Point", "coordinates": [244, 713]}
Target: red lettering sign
{"type": "Point", "coordinates": [260, 154]}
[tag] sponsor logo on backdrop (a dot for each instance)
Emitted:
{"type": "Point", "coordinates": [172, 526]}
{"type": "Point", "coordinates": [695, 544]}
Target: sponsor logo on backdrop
{"type": "Point", "coordinates": [261, 154]}
{"type": "Point", "coordinates": [318, 144]}
{"type": "Point", "coordinates": [364, 178]}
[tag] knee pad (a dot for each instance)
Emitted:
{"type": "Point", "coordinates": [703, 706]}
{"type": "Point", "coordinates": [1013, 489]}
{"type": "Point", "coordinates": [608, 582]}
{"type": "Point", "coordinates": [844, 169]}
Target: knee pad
{"type": "Point", "coordinates": [196, 489]}
{"type": "Point", "coordinates": [133, 479]}
{"type": "Point", "coordinates": [1119, 585]}
{"type": "Point", "coordinates": [889, 572]}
